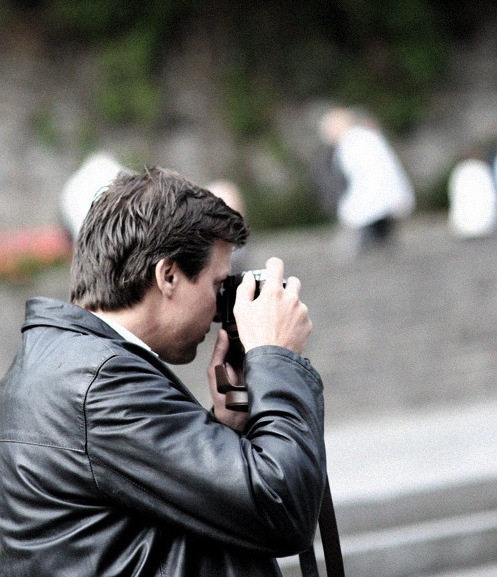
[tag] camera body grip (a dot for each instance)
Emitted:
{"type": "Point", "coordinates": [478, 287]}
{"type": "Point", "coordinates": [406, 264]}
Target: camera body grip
{"type": "Point", "coordinates": [236, 396]}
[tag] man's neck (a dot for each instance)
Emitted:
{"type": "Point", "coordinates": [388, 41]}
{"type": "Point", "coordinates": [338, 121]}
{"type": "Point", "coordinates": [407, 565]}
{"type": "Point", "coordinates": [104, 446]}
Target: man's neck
{"type": "Point", "coordinates": [135, 321]}
{"type": "Point", "coordinates": [121, 329]}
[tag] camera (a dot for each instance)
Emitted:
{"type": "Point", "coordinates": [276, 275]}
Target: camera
{"type": "Point", "coordinates": [225, 302]}
{"type": "Point", "coordinates": [236, 396]}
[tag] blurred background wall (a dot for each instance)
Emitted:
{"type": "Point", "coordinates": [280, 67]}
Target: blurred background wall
{"type": "Point", "coordinates": [234, 90]}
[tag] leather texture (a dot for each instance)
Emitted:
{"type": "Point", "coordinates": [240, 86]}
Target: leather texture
{"type": "Point", "coordinates": [109, 467]}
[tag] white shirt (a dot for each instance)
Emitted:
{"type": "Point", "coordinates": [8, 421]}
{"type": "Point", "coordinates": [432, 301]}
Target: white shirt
{"type": "Point", "coordinates": [84, 186]}
{"type": "Point", "coordinates": [472, 199]}
{"type": "Point", "coordinates": [378, 186]}
{"type": "Point", "coordinates": [126, 335]}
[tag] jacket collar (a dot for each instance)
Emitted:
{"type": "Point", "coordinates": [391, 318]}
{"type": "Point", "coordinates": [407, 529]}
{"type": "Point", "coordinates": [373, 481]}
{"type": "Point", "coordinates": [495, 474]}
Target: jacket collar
{"type": "Point", "coordinates": [42, 311]}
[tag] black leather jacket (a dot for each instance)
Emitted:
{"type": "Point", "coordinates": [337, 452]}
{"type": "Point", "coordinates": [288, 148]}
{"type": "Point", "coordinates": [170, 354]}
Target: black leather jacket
{"type": "Point", "coordinates": [109, 467]}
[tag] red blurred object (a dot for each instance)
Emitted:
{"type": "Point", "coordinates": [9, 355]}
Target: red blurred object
{"type": "Point", "coordinates": [24, 252]}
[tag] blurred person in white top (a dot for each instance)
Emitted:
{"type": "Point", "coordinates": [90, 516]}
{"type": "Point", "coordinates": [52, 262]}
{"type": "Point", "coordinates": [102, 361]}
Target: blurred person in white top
{"type": "Point", "coordinates": [96, 173]}
{"type": "Point", "coordinates": [378, 191]}
{"type": "Point", "coordinates": [472, 199]}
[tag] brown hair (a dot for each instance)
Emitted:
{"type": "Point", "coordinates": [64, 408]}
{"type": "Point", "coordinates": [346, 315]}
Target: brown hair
{"type": "Point", "coordinates": [140, 219]}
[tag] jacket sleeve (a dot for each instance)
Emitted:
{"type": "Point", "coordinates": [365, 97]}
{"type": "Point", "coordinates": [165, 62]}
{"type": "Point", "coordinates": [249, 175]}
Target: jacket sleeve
{"type": "Point", "coordinates": [155, 450]}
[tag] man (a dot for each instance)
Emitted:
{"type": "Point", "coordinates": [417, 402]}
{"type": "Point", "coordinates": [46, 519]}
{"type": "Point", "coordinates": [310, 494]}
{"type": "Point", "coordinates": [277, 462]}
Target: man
{"type": "Point", "coordinates": [108, 464]}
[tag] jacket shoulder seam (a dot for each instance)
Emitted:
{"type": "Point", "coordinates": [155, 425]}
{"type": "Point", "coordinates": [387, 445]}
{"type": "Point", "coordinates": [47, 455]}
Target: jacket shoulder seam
{"type": "Point", "coordinates": [85, 419]}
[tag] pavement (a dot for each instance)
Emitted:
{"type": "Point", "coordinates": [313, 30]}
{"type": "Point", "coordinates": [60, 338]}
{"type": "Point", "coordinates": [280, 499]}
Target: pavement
{"type": "Point", "coordinates": [415, 493]}
{"type": "Point", "coordinates": [406, 329]}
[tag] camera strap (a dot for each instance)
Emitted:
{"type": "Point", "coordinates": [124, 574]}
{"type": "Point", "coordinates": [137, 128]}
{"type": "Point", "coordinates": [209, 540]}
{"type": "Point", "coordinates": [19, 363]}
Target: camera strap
{"type": "Point", "coordinates": [330, 540]}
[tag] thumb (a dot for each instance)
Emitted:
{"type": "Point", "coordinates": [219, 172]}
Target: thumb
{"type": "Point", "coordinates": [220, 348]}
{"type": "Point", "coordinates": [246, 289]}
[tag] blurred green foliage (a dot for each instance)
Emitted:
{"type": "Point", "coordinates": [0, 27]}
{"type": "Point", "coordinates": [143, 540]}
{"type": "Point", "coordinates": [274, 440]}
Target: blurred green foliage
{"type": "Point", "coordinates": [45, 128]}
{"type": "Point", "coordinates": [130, 40]}
{"type": "Point", "coordinates": [382, 55]}
{"type": "Point", "coordinates": [128, 92]}
{"type": "Point", "coordinates": [267, 211]}
{"type": "Point", "coordinates": [437, 198]}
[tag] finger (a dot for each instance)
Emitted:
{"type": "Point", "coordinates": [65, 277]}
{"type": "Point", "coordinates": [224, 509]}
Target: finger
{"type": "Point", "coordinates": [220, 348]}
{"type": "Point", "coordinates": [274, 272]}
{"type": "Point", "coordinates": [246, 289]}
{"type": "Point", "coordinates": [293, 284]}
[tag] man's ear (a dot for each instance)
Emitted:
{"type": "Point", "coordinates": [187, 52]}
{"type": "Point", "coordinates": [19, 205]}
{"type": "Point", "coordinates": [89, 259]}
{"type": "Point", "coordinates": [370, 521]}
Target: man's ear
{"type": "Point", "coordinates": [166, 276]}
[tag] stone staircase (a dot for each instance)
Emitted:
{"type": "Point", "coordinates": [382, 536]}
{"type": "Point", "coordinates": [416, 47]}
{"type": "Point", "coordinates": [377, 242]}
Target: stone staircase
{"type": "Point", "coordinates": [415, 495]}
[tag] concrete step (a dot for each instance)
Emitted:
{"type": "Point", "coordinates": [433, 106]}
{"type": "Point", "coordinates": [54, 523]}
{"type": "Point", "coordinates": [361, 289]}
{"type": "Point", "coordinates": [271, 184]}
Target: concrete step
{"type": "Point", "coordinates": [422, 464]}
{"type": "Point", "coordinates": [445, 502]}
{"type": "Point", "coordinates": [420, 548]}
{"type": "Point", "coordinates": [414, 494]}
{"type": "Point", "coordinates": [479, 571]}
{"type": "Point", "coordinates": [455, 545]}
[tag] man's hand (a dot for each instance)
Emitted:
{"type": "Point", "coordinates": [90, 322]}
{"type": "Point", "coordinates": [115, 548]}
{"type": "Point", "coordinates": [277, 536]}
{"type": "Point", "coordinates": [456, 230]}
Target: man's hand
{"type": "Point", "coordinates": [233, 419]}
{"type": "Point", "coordinates": [277, 316]}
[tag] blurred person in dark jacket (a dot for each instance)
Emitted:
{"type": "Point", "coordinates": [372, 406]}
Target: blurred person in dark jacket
{"type": "Point", "coordinates": [109, 466]}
